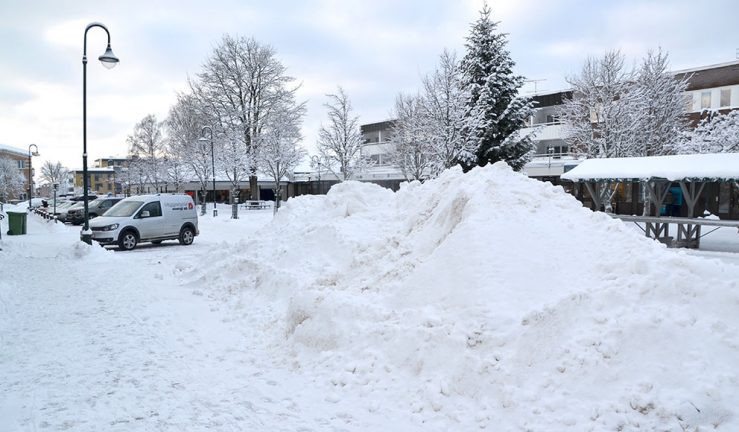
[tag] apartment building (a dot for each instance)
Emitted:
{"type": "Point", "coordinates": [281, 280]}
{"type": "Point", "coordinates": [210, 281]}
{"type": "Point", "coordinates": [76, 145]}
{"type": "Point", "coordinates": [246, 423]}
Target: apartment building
{"type": "Point", "coordinates": [101, 181]}
{"type": "Point", "coordinates": [711, 88]}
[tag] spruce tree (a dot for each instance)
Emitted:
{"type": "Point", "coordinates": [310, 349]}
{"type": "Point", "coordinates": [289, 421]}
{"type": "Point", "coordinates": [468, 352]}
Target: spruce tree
{"type": "Point", "coordinates": [495, 112]}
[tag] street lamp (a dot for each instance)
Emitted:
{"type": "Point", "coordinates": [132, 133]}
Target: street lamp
{"type": "Point", "coordinates": [56, 186]}
{"type": "Point", "coordinates": [109, 60]}
{"type": "Point", "coordinates": [30, 173]}
{"type": "Point", "coordinates": [316, 161]}
{"type": "Point", "coordinates": [212, 163]}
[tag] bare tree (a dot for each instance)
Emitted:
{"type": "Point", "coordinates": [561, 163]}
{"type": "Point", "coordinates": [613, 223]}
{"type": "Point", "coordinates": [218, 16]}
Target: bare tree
{"type": "Point", "coordinates": [661, 104]}
{"type": "Point", "coordinates": [601, 119]}
{"type": "Point", "coordinates": [234, 161]}
{"type": "Point", "coordinates": [240, 84]}
{"type": "Point", "coordinates": [184, 126]}
{"type": "Point", "coordinates": [53, 173]}
{"type": "Point", "coordinates": [11, 179]}
{"type": "Point", "coordinates": [173, 162]}
{"type": "Point", "coordinates": [280, 147]}
{"type": "Point", "coordinates": [411, 147]}
{"type": "Point", "coordinates": [444, 110]}
{"type": "Point", "coordinates": [147, 150]}
{"type": "Point", "coordinates": [340, 142]}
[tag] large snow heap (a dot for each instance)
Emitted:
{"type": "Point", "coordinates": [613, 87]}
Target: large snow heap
{"type": "Point", "coordinates": [490, 299]}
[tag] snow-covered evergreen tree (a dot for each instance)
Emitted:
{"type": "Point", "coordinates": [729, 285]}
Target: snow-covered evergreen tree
{"type": "Point", "coordinates": [496, 112]}
{"type": "Point", "coordinates": [443, 110]}
{"type": "Point", "coordinates": [716, 133]}
{"type": "Point", "coordinates": [340, 142]}
{"type": "Point", "coordinates": [410, 145]}
{"type": "Point", "coordinates": [602, 118]}
{"type": "Point", "coordinates": [661, 105]}
{"type": "Point", "coordinates": [11, 179]}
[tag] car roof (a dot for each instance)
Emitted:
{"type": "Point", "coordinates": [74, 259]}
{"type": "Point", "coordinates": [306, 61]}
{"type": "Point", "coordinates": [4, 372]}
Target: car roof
{"type": "Point", "coordinates": [159, 197]}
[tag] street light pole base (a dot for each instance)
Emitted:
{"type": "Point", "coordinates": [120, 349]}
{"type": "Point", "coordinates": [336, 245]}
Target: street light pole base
{"type": "Point", "coordinates": [87, 238]}
{"type": "Point", "coordinates": [215, 212]}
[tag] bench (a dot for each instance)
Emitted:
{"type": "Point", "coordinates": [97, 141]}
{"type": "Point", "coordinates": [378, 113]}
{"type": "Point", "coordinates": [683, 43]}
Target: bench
{"type": "Point", "coordinates": [688, 229]}
{"type": "Point", "coordinates": [256, 205]}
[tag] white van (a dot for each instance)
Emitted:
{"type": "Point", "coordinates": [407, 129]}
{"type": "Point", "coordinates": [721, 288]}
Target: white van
{"type": "Point", "coordinates": [147, 218]}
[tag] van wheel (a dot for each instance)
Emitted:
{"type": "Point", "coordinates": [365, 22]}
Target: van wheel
{"type": "Point", "coordinates": [187, 235]}
{"type": "Point", "coordinates": [128, 240]}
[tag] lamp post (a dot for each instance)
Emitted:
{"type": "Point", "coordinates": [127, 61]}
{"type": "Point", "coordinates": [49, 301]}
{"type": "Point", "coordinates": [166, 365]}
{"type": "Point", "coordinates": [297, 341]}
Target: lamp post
{"type": "Point", "coordinates": [56, 186]}
{"type": "Point", "coordinates": [30, 173]}
{"type": "Point", "coordinates": [315, 160]}
{"type": "Point", "coordinates": [109, 60]}
{"type": "Point", "coordinates": [212, 164]}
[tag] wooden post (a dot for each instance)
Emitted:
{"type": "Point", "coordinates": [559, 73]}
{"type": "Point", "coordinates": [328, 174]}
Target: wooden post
{"type": "Point", "coordinates": [691, 196]}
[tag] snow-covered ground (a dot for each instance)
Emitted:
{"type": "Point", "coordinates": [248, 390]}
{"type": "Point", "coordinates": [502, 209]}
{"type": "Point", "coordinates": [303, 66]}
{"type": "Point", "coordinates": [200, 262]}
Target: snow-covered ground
{"type": "Point", "coordinates": [483, 300]}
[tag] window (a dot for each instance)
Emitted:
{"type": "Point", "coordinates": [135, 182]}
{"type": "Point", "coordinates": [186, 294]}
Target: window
{"type": "Point", "coordinates": [552, 119]}
{"type": "Point", "coordinates": [705, 100]}
{"type": "Point", "coordinates": [153, 208]}
{"type": "Point", "coordinates": [21, 164]}
{"type": "Point", "coordinates": [725, 97]}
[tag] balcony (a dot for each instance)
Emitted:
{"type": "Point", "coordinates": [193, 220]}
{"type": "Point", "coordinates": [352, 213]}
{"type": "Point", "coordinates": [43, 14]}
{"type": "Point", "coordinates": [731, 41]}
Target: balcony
{"type": "Point", "coordinates": [546, 131]}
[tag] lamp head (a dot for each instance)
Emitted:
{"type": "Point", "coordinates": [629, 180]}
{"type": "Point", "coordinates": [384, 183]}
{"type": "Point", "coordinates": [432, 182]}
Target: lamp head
{"type": "Point", "coordinates": [109, 60]}
{"type": "Point", "coordinates": [35, 154]}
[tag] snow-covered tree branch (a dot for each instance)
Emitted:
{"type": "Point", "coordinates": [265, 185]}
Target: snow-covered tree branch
{"type": "Point", "coordinates": [146, 149]}
{"type": "Point", "coordinates": [280, 147]}
{"type": "Point", "coordinates": [11, 179]}
{"type": "Point", "coordinates": [443, 103]}
{"type": "Point", "coordinates": [411, 146]}
{"type": "Point", "coordinates": [340, 141]}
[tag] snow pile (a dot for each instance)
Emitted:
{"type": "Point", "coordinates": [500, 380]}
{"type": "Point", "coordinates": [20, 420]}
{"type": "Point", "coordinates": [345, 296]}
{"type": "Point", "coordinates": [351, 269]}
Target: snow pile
{"type": "Point", "coordinates": [488, 299]}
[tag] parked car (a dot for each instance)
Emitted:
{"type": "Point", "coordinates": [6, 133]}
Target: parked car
{"type": "Point", "coordinates": [82, 198]}
{"type": "Point", "coordinates": [63, 215]}
{"type": "Point", "coordinates": [147, 218]}
{"type": "Point", "coordinates": [61, 206]}
{"type": "Point", "coordinates": [94, 209]}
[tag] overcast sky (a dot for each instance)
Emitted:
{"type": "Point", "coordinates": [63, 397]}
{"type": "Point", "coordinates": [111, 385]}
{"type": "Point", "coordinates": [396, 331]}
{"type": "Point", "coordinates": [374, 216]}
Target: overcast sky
{"type": "Point", "coordinates": [374, 49]}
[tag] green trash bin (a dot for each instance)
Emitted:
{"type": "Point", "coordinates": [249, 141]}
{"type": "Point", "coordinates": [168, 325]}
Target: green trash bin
{"type": "Point", "coordinates": [17, 222]}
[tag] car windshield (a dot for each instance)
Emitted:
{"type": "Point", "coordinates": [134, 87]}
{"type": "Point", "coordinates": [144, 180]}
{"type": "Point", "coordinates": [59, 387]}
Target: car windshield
{"type": "Point", "coordinates": [124, 208]}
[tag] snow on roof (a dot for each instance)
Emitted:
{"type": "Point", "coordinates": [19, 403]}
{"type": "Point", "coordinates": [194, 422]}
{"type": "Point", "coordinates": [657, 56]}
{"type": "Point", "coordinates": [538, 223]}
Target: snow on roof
{"type": "Point", "coordinates": [11, 149]}
{"type": "Point", "coordinates": [723, 166]}
{"type": "Point", "coordinates": [706, 67]}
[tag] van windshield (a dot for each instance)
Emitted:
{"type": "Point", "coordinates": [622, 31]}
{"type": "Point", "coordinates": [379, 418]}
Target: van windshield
{"type": "Point", "coordinates": [124, 208]}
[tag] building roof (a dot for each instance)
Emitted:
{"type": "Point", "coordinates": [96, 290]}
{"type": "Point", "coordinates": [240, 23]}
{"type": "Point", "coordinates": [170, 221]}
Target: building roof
{"type": "Point", "coordinates": [15, 150]}
{"type": "Point", "coordinates": [91, 169]}
{"type": "Point", "coordinates": [718, 75]}
{"type": "Point", "coordinates": [550, 98]}
{"type": "Point", "coordinates": [379, 126]}
{"type": "Point", "coordinates": [696, 167]}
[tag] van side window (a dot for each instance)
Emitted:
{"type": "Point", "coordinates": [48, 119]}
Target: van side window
{"type": "Point", "coordinates": [154, 209]}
